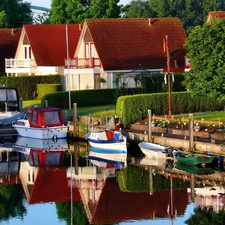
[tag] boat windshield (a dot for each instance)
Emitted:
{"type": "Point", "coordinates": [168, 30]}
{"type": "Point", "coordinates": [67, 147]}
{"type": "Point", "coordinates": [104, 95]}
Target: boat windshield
{"type": "Point", "coordinates": [51, 117]}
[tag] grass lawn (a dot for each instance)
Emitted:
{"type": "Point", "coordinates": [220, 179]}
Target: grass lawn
{"type": "Point", "coordinates": [108, 110]}
{"type": "Point", "coordinates": [206, 116]}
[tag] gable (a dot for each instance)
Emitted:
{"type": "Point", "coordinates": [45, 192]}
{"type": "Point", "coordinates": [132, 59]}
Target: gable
{"type": "Point", "coordinates": [125, 44]}
{"type": "Point", "coordinates": [8, 43]}
{"type": "Point", "coordinates": [48, 42]}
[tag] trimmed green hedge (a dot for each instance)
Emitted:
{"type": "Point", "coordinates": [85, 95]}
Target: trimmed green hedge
{"type": "Point", "coordinates": [43, 89]}
{"type": "Point", "coordinates": [27, 86]}
{"type": "Point", "coordinates": [82, 98]}
{"type": "Point", "coordinates": [134, 108]}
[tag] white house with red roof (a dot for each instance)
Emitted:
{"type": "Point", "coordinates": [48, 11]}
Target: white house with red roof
{"type": "Point", "coordinates": [110, 46]}
{"type": "Point", "coordinates": [42, 48]}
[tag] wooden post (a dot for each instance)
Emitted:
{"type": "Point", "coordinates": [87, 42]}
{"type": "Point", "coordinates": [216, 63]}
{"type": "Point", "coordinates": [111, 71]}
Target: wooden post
{"type": "Point", "coordinates": [74, 119]}
{"type": "Point", "coordinates": [192, 186]}
{"type": "Point", "coordinates": [149, 125]}
{"type": "Point", "coordinates": [76, 158]}
{"type": "Point", "coordinates": [191, 132]}
{"type": "Point", "coordinates": [150, 180]}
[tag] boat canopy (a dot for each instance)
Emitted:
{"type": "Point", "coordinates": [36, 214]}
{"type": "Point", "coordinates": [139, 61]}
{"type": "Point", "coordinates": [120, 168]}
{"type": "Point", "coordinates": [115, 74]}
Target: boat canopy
{"type": "Point", "coordinates": [45, 117]}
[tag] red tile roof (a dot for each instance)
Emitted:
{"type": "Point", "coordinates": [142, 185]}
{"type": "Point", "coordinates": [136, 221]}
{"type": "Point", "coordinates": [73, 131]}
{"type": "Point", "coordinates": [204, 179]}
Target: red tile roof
{"type": "Point", "coordinates": [8, 43]}
{"type": "Point", "coordinates": [216, 14]}
{"type": "Point", "coordinates": [48, 42]}
{"type": "Point", "coordinates": [115, 206]}
{"type": "Point", "coordinates": [126, 44]}
{"type": "Point", "coordinates": [51, 185]}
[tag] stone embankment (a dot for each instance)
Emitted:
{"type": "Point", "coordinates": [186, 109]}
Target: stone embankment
{"type": "Point", "coordinates": [204, 142]}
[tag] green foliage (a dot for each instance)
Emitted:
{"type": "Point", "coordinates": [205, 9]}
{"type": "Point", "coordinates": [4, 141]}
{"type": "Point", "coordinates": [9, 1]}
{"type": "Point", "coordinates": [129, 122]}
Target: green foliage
{"type": "Point", "coordinates": [79, 215]}
{"type": "Point", "coordinates": [104, 9]}
{"type": "Point", "coordinates": [14, 13]}
{"type": "Point", "coordinates": [206, 217]}
{"type": "Point", "coordinates": [206, 51]}
{"type": "Point", "coordinates": [136, 179]}
{"type": "Point", "coordinates": [43, 89]}
{"type": "Point", "coordinates": [11, 202]}
{"type": "Point", "coordinates": [82, 98]}
{"type": "Point", "coordinates": [77, 11]}
{"type": "Point", "coordinates": [137, 9]}
{"type": "Point", "coordinates": [190, 12]}
{"type": "Point", "coordinates": [27, 86]}
{"type": "Point", "coordinates": [131, 109]}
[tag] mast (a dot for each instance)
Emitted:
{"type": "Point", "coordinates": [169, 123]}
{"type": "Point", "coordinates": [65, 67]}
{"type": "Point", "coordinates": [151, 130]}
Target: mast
{"type": "Point", "coordinates": [166, 49]}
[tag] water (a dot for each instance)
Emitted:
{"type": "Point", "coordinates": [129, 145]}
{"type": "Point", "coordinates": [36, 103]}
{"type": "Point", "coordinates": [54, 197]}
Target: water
{"type": "Point", "coordinates": [40, 189]}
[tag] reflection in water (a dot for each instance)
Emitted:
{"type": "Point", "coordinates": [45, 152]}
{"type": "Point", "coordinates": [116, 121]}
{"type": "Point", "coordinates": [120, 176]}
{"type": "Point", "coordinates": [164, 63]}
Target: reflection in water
{"type": "Point", "coordinates": [89, 187]}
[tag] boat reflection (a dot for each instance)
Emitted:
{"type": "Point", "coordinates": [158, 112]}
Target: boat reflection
{"type": "Point", "coordinates": [9, 165]}
{"type": "Point", "coordinates": [40, 152]}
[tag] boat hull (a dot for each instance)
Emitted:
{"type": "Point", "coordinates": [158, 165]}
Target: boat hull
{"type": "Point", "coordinates": [100, 144]}
{"type": "Point", "coordinates": [195, 160]}
{"type": "Point", "coordinates": [153, 151]}
{"type": "Point", "coordinates": [119, 160]}
{"type": "Point", "coordinates": [50, 133]}
{"type": "Point", "coordinates": [194, 169]}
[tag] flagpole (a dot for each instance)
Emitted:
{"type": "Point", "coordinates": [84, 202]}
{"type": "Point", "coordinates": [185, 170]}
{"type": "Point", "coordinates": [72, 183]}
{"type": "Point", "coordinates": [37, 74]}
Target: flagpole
{"type": "Point", "coordinates": [68, 66]}
{"type": "Point", "coordinates": [169, 78]}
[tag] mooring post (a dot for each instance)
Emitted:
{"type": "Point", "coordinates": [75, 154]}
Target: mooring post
{"type": "Point", "coordinates": [150, 180]}
{"type": "Point", "coordinates": [149, 125]}
{"type": "Point", "coordinates": [74, 119]}
{"type": "Point", "coordinates": [191, 132]}
{"type": "Point", "coordinates": [192, 187]}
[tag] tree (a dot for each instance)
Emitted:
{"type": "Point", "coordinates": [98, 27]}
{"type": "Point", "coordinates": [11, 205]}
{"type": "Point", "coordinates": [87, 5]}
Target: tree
{"type": "Point", "coordinates": [205, 46]}
{"type": "Point", "coordinates": [76, 11]}
{"type": "Point", "coordinates": [104, 9]}
{"type": "Point", "coordinates": [206, 217]}
{"type": "Point", "coordinates": [14, 13]}
{"type": "Point", "coordinates": [137, 9]}
{"type": "Point", "coordinates": [190, 12]}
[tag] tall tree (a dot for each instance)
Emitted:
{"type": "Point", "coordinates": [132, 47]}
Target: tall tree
{"type": "Point", "coordinates": [104, 9]}
{"type": "Point", "coordinates": [190, 12]}
{"type": "Point", "coordinates": [76, 11]}
{"type": "Point", "coordinates": [14, 13]}
{"type": "Point", "coordinates": [137, 9]}
{"type": "Point", "coordinates": [205, 46]}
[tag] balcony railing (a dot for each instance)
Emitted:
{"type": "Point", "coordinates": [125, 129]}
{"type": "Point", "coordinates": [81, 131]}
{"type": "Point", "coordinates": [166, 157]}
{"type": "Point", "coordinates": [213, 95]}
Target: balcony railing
{"type": "Point", "coordinates": [20, 63]}
{"type": "Point", "coordinates": [82, 63]}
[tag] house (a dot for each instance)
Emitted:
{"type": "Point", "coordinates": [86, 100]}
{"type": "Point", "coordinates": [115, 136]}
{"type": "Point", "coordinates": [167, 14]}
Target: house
{"type": "Point", "coordinates": [42, 48]}
{"type": "Point", "coordinates": [110, 46]}
{"type": "Point", "coordinates": [8, 42]}
{"type": "Point", "coordinates": [215, 14]}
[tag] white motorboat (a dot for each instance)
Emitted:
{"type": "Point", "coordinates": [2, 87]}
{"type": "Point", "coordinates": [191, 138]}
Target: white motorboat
{"type": "Point", "coordinates": [42, 123]}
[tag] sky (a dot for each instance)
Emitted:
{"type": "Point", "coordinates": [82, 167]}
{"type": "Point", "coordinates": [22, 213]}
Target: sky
{"type": "Point", "coordinates": [47, 3]}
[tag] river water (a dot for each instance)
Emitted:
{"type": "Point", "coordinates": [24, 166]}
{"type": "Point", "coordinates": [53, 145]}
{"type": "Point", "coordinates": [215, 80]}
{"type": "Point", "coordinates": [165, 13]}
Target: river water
{"type": "Point", "coordinates": [54, 183]}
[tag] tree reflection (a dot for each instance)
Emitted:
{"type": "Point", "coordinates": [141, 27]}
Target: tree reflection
{"type": "Point", "coordinates": [64, 213]}
{"type": "Point", "coordinates": [11, 202]}
{"type": "Point", "coordinates": [206, 217]}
